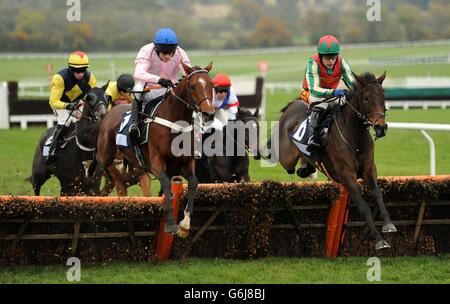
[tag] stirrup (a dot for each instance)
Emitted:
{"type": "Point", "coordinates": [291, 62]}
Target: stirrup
{"type": "Point", "coordinates": [312, 144]}
{"type": "Point", "coordinates": [134, 131]}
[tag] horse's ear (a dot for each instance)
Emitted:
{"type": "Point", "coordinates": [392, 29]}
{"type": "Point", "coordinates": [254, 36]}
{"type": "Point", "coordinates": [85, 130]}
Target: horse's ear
{"type": "Point", "coordinates": [358, 78]}
{"type": "Point", "coordinates": [382, 78]}
{"type": "Point", "coordinates": [256, 114]}
{"type": "Point", "coordinates": [105, 86]}
{"type": "Point", "coordinates": [186, 68]}
{"type": "Point", "coordinates": [209, 66]}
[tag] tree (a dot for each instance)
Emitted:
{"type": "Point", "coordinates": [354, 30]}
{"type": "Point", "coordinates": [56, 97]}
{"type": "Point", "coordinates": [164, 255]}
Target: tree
{"type": "Point", "coordinates": [78, 34]}
{"type": "Point", "coordinates": [27, 31]}
{"type": "Point", "coordinates": [412, 19]}
{"type": "Point", "coordinates": [271, 32]}
{"type": "Point", "coordinates": [246, 13]}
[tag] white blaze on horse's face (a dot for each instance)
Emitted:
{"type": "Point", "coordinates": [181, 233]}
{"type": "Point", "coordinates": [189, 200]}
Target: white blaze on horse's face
{"type": "Point", "coordinates": [207, 97]}
{"type": "Point", "coordinates": [203, 83]}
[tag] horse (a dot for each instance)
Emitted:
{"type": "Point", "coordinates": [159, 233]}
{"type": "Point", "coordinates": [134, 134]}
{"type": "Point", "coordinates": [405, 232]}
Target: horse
{"type": "Point", "coordinates": [68, 166]}
{"type": "Point", "coordinates": [242, 134]}
{"type": "Point", "coordinates": [349, 153]}
{"type": "Point", "coordinates": [192, 94]}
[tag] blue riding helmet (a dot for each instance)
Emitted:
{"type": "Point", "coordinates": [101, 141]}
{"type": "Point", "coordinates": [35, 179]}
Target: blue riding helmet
{"type": "Point", "coordinates": [166, 40]}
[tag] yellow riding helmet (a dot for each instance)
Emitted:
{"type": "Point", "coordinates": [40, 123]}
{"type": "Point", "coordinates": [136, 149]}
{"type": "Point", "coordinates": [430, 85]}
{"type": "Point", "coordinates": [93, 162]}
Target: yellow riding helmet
{"type": "Point", "coordinates": [78, 59]}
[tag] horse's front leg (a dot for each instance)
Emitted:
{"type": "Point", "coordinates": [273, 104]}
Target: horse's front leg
{"type": "Point", "coordinates": [370, 177]}
{"type": "Point", "coordinates": [171, 225]}
{"type": "Point", "coordinates": [185, 224]}
{"type": "Point", "coordinates": [116, 177]}
{"type": "Point", "coordinates": [349, 181]}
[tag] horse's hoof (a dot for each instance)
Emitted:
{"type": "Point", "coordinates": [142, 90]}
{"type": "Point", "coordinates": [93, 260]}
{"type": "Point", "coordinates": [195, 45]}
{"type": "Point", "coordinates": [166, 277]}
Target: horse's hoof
{"type": "Point", "coordinates": [290, 172]}
{"type": "Point", "coordinates": [382, 245]}
{"type": "Point", "coordinates": [388, 228]}
{"type": "Point", "coordinates": [172, 229]}
{"type": "Point", "coordinates": [182, 232]}
{"type": "Point", "coordinates": [305, 172]}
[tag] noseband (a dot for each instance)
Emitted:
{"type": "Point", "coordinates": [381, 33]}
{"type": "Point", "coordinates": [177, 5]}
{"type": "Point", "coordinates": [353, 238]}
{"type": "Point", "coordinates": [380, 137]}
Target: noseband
{"type": "Point", "coordinates": [194, 107]}
{"type": "Point", "coordinates": [364, 116]}
{"type": "Point", "coordinates": [91, 112]}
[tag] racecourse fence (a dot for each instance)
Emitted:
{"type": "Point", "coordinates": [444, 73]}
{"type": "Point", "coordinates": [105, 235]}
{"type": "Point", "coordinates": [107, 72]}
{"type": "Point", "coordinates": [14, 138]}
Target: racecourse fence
{"type": "Point", "coordinates": [232, 52]}
{"type": "Point", "coordinates": [25, 110]}
{"type": "Point", "coordinates": [229, 221]}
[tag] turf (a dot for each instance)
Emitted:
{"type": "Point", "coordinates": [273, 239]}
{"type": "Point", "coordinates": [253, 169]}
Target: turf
{"type": "Point", "coordinates": [405, 270]}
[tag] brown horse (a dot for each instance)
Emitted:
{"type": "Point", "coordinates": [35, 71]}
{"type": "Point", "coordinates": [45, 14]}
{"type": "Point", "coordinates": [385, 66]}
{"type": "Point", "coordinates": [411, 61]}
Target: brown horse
{"type": "Point", "coordinates": [349, 153]}
{"type": "Point", "coordinates": [193, 93]}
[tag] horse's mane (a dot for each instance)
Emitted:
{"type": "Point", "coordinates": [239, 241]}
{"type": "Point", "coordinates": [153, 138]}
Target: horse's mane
{"type": "Point", "coordinates": [287, 106]}
{"type": "Point", "coordinates": [244, 111]}
{"type": "Point", "coordinates": [367, 77]}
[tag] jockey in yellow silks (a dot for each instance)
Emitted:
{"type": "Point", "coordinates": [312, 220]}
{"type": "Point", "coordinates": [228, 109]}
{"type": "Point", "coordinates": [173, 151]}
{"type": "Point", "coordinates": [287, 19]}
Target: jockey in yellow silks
{"type": "Point", "coordinates": [67, 88]}
{"type": "Point", "coordinates": [119, 92]}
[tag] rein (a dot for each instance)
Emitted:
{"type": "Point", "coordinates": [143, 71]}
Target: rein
{"type": "Point", "coordinates": [193, 107]}
{"type": "Point", "coordinates": [92, 118]}
{"type": "Point", "coordinates": [365, 116]}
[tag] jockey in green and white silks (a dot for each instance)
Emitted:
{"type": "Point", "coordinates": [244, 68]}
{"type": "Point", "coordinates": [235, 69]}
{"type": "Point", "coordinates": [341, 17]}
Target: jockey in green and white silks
{"type": "Point", "coordinates": [323, 73]}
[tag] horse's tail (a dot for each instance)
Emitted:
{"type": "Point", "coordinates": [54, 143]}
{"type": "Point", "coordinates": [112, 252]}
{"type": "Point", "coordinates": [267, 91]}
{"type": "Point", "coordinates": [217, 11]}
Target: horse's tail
{"type": "Point", "coordinates": [92, 167]}
{"type": "Point", "coordinates": [269, 151]}
{"type": "Point", "coordinates": [287, 106]}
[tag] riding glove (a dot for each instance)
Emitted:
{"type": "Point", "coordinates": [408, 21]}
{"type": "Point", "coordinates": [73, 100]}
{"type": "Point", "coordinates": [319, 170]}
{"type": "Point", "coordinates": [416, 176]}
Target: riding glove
{"type": "Point", "coordinates": [71, 106]}
{"type": "Point", "coordinates": [338, 93]}
{"type": "Point", "coordinates": [165, 82]}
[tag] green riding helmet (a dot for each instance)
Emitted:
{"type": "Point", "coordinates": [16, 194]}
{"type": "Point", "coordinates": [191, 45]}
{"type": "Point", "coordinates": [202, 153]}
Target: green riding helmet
{"type": "Point", "coordinates": [328, 45]}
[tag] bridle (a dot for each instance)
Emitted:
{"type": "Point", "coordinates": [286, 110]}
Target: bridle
{"type": "Point", "coordinates": [364, 116]}
{"type": "Point", "coordinates": [195, 106]}
{"type": "Point", "coordinates": [92, 112]}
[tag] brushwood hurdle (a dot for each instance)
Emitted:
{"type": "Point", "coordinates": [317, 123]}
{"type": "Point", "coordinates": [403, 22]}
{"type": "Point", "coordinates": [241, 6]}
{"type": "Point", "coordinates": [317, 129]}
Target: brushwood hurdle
{"type": "Point", "coordinates": [246, 220]}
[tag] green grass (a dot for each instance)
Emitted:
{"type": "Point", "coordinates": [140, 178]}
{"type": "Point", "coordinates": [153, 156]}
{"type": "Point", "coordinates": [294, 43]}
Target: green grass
{"type": "Point", "coordinates": [283, 66]}
{"type": "Point", "coordinates": [401, 152]}
{"type": "Point", "coordinates": [407, 270]}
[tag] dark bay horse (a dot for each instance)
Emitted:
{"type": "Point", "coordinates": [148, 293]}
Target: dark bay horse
{"type": "Point", "coordinates": [174, 118]}
{"type": "Point", "coordinates": [243, 135]}
{"type": "Point", "coordinates": [68, 167]}
{"type": "Point", "coordinates": [349, 154]}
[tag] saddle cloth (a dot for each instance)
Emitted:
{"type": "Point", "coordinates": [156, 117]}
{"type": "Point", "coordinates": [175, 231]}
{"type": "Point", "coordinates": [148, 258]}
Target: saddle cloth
{"type": "Point", "coordinates": [63, 142]}
{"type": "Point", "coordinates": [301, 134]}
{"type": "Point", "coordinates": [123, 136]}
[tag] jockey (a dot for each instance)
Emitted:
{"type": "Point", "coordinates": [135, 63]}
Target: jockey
{"type": "Point", "coordinates": [157, 64]}
{"type": "Point", "coordinates": [225, 101]}
{"type": "Point", "coordinates": [323, 73]}
{"type": "Point", "coordinates": [119, 92]}
{"type": "Point", "coordinates": [67, 88]}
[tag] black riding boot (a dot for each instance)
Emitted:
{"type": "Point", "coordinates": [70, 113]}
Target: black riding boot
{"type": "Point", "coordinates": [314, 140]}
{"type": "Point", "coordinates": [307, 171]}
{"type": "Point", "coordinates": [58, 134]}
{"type": "Point", "coordinates": [134, 127]}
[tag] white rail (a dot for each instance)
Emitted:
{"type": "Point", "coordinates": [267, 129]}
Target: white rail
{"type": "Point", "coordinates": [422, 127]}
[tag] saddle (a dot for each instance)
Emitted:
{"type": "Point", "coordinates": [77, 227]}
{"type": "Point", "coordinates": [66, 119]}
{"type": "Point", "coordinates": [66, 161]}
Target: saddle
{"type": "Point", "coordinates": [63, 141]}
{"type": "Point", "coordinates": [302, 133]}
{"type": "Point", "coordinates": [123, 138]}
